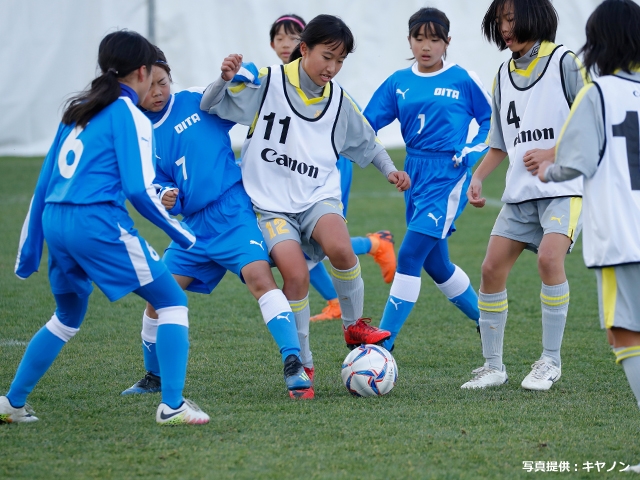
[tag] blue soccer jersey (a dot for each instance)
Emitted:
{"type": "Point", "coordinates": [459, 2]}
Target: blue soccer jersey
{"type": "Point", "coordinates": [194, 155]}
{"type": "Point", "coordinates": [193, 152]}
{"type": "Point", "coordinates": [434, 109]}
{"type": "Point", "coordinates": [108, 161]}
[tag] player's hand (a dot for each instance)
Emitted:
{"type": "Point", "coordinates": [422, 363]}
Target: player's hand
{"type": "Point", "coordinates": [474, 193]}
{"type": "Point", "coordinates": [230, 66]}
{"type": "Point", "coordinates": [169, 198]}
{"type": "Point", "coordinates": [400, 179]}
{"type": "Point", "coordinates": [533, 158]}
{"type": "Point", "coordinates": [542, 169]}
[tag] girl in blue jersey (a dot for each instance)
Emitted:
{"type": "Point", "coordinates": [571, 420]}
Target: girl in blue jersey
{"type": "Point", "coordinates": [103, 154]}
{"type": "Point", "coordinates": [435, 101]}
{"type": "Point", "coordinates": [285, 36]}
{"type": "Point", "coordinates": [198, 178]}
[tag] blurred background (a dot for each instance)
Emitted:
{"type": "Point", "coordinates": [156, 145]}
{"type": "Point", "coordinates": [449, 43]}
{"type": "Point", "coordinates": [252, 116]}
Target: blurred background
{"type": "Point", "coordinates": [49, 48]}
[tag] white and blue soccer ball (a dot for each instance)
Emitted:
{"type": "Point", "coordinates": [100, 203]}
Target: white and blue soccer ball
{"type": "Point", "coordinates": [369, 371]}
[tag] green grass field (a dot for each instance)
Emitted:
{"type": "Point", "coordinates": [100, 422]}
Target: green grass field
{"type": "Point", "coordinates": [427, 427]}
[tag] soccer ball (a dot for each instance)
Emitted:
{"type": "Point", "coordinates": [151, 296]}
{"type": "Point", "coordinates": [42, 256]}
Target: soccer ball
{"type": "Point", "coordinates": [369, 371]}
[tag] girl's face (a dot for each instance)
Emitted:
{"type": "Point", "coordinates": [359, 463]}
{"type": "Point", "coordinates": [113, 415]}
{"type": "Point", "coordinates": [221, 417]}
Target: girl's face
{"type": "Point", "coordinates": [284, 43]}
{"type": "Point", "coordinates": [322, 62]}
{"type": "Point", "coordinates": [159, 92]}
{"type": "Point", "coordinates": [428, 50]}
{"type": "Point", "coordinates": [506, 24]}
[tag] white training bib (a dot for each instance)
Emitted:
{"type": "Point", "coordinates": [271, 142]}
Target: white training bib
{"type": "Point", "coordinates": [533, 117]}
{"type": "Point", "coordinates": [611, 203]}
{"type": "Point", "coordinates": [289, 161]}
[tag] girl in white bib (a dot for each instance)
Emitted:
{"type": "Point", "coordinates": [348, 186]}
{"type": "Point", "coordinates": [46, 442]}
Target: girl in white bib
{"type": "Point", "coordinates": [301, 122]}
{"type": "Point", "coordinates": [532, 95]}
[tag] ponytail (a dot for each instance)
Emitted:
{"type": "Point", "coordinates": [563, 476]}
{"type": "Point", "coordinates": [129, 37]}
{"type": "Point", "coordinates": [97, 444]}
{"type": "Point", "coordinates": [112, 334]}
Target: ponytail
{"type": "Point", "coordinates": [119, 54]}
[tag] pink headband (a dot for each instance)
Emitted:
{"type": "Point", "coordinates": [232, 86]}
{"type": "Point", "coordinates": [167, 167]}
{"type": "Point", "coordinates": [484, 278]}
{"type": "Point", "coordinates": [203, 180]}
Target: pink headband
{"type": "Point", "coordinates": [295, 20]}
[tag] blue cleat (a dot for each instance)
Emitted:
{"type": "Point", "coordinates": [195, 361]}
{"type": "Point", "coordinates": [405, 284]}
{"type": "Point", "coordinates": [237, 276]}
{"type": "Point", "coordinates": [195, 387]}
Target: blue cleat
{"type": "Point", "coordinates": [150, 383]}
{"type": "Point", "coordinates": [297, 380]}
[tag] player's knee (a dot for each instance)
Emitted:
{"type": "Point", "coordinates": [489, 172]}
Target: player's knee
{"type": "Point", "coordinates": [549, 262]}
{"type": "Point", "coordinates": [296, 284]}
{"type": "Point", "coordinates": [258, 277]}
{"type": "Point", "coordinates": [342, 256]}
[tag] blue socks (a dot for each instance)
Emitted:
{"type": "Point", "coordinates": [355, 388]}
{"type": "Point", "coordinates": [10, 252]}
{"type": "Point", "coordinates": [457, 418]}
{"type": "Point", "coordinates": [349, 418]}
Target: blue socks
{"type": "Point", "coordinates": [284, 332]}
{"type": "Point", "coordinates": [173, 353]}
{"type": "Point", "coordinates": [361, 245]}
{"type": "Point", "coordinates": [405, 291]}
{"type": "Point", "coordinates": [467, 303]}
{"type": "Point", "coordinates": [321, 281]}
{"type": "Point", "coordinates": [43, 349]}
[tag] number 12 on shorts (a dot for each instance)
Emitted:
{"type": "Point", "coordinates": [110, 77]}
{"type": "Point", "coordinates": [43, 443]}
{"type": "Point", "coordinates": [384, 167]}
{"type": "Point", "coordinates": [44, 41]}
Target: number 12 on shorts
{"type": "Point", "coordinates": [276, 227]}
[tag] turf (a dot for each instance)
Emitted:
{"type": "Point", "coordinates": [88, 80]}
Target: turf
{"type": "Point", "coordinates": [427, 427]}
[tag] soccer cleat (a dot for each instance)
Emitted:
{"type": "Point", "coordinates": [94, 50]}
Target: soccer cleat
{"type": "Point", "coordinates": [10, 414]}
{"type": "Point", "coordinates": [308, 393]}
{"type": "Point", "coordinates": [487, 377]}
{"type": "Point", "coordinates": [330, 312]}
{"type": "Point", "coordinates": [383, 253]}
{"type": "Point", "coordinates": [186, 414]}
{"type": "Point", "coordinates": [298, 381]}
{"type": "Point", "coordinates": [362, 333]}
{"type": "Point", "coordinates": [542, 376]}
{"type": "Point", "coordinates": [150, 383]}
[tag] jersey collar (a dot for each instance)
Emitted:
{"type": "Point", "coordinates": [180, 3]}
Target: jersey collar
{"type": "Point", "coordinates": [293, 75]}
{"type": "Point", "coordinates": [127, 91]}
{"type": "Point", "coordinates": [526, 66]}
{"type": "Point", "coordinates": [445, 66]}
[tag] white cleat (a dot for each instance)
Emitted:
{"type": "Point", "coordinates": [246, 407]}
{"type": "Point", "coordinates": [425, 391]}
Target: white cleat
{"type": "Point", "coordinates": [542, 376]}
{"type": "Point", "coordinates": [487, 377]}
{"type": "Point", "coordinates": [186, 414]}
{"type": "Point", "coordinates": [9, 414]}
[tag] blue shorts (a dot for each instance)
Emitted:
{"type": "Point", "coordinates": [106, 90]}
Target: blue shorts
{"type": "Point", "coordinates": [346, 174]}
{"type": "Point", "coordinates": [97, 243]}
{"type": "Point", "coordinates": [438, 192]}
{"type": "Point", "coordinates": [228, 238]}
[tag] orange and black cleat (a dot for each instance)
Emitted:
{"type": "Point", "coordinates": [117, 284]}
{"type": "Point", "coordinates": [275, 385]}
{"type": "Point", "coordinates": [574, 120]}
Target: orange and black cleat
{"type": "Point", "coordinates": [383, 253]}
{"type": "Point", "coordinates": [330, 312]}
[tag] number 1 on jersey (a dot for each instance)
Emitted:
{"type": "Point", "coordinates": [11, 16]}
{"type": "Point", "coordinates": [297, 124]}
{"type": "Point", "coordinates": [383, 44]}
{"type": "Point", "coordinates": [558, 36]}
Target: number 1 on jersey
{"type": "Point", "coordinates": [421, 117]}
{"type": "Point", "coordinates": [630, 130]}
{"type": "Point", "coordinates": [285, 126]}
{"type": "Point", "coordinates": [182, 161]}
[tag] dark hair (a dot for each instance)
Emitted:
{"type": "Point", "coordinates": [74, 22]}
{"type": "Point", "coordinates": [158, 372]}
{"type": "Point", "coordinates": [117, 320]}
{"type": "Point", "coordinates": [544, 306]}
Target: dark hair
{"type": "Point", "coordinates": [161, 62]}
{"type": "Point", "coordinates": [119, 54]}
{"type": "Point", "coordinates": [325, 30]}
{"type": "Point", "coordinates": [291, 27]}
{"type": "Point", "coordinates": [533, 20]}
{"type": "Point", "coordinates": [430, 21]}
{"type": "Point", "coordinates": [613, 37]}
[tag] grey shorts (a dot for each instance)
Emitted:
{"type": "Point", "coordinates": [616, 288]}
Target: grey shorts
{"type": "Point", "coordinates": [618, 299]}
{"type": "Point", "coordinates": [277, 227]}
{"type": "Point", "coordinates": [528, 222]}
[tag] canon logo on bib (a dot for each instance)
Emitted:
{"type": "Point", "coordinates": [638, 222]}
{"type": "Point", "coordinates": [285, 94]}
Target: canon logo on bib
{"type": "Point", "coordinates": [271, 156]}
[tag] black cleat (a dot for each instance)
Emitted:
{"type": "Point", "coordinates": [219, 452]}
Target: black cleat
{"type": "Point", "coordinates": [150, 383]}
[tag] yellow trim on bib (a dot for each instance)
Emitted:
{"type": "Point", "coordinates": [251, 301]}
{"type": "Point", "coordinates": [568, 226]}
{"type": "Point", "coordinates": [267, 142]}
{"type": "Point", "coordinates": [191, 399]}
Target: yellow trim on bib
{"type": "Point", "coordinates": [546, 49]}
{"type": "Point", "coordinates": [293, 75]}
{"type": "Point", "coordinates": [583, 91]}
{"type": "Point", "coordinates": [609, 294]}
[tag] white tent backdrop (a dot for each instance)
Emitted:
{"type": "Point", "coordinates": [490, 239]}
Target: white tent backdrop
{"type": "Point", "coordinates": [49, 49]}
